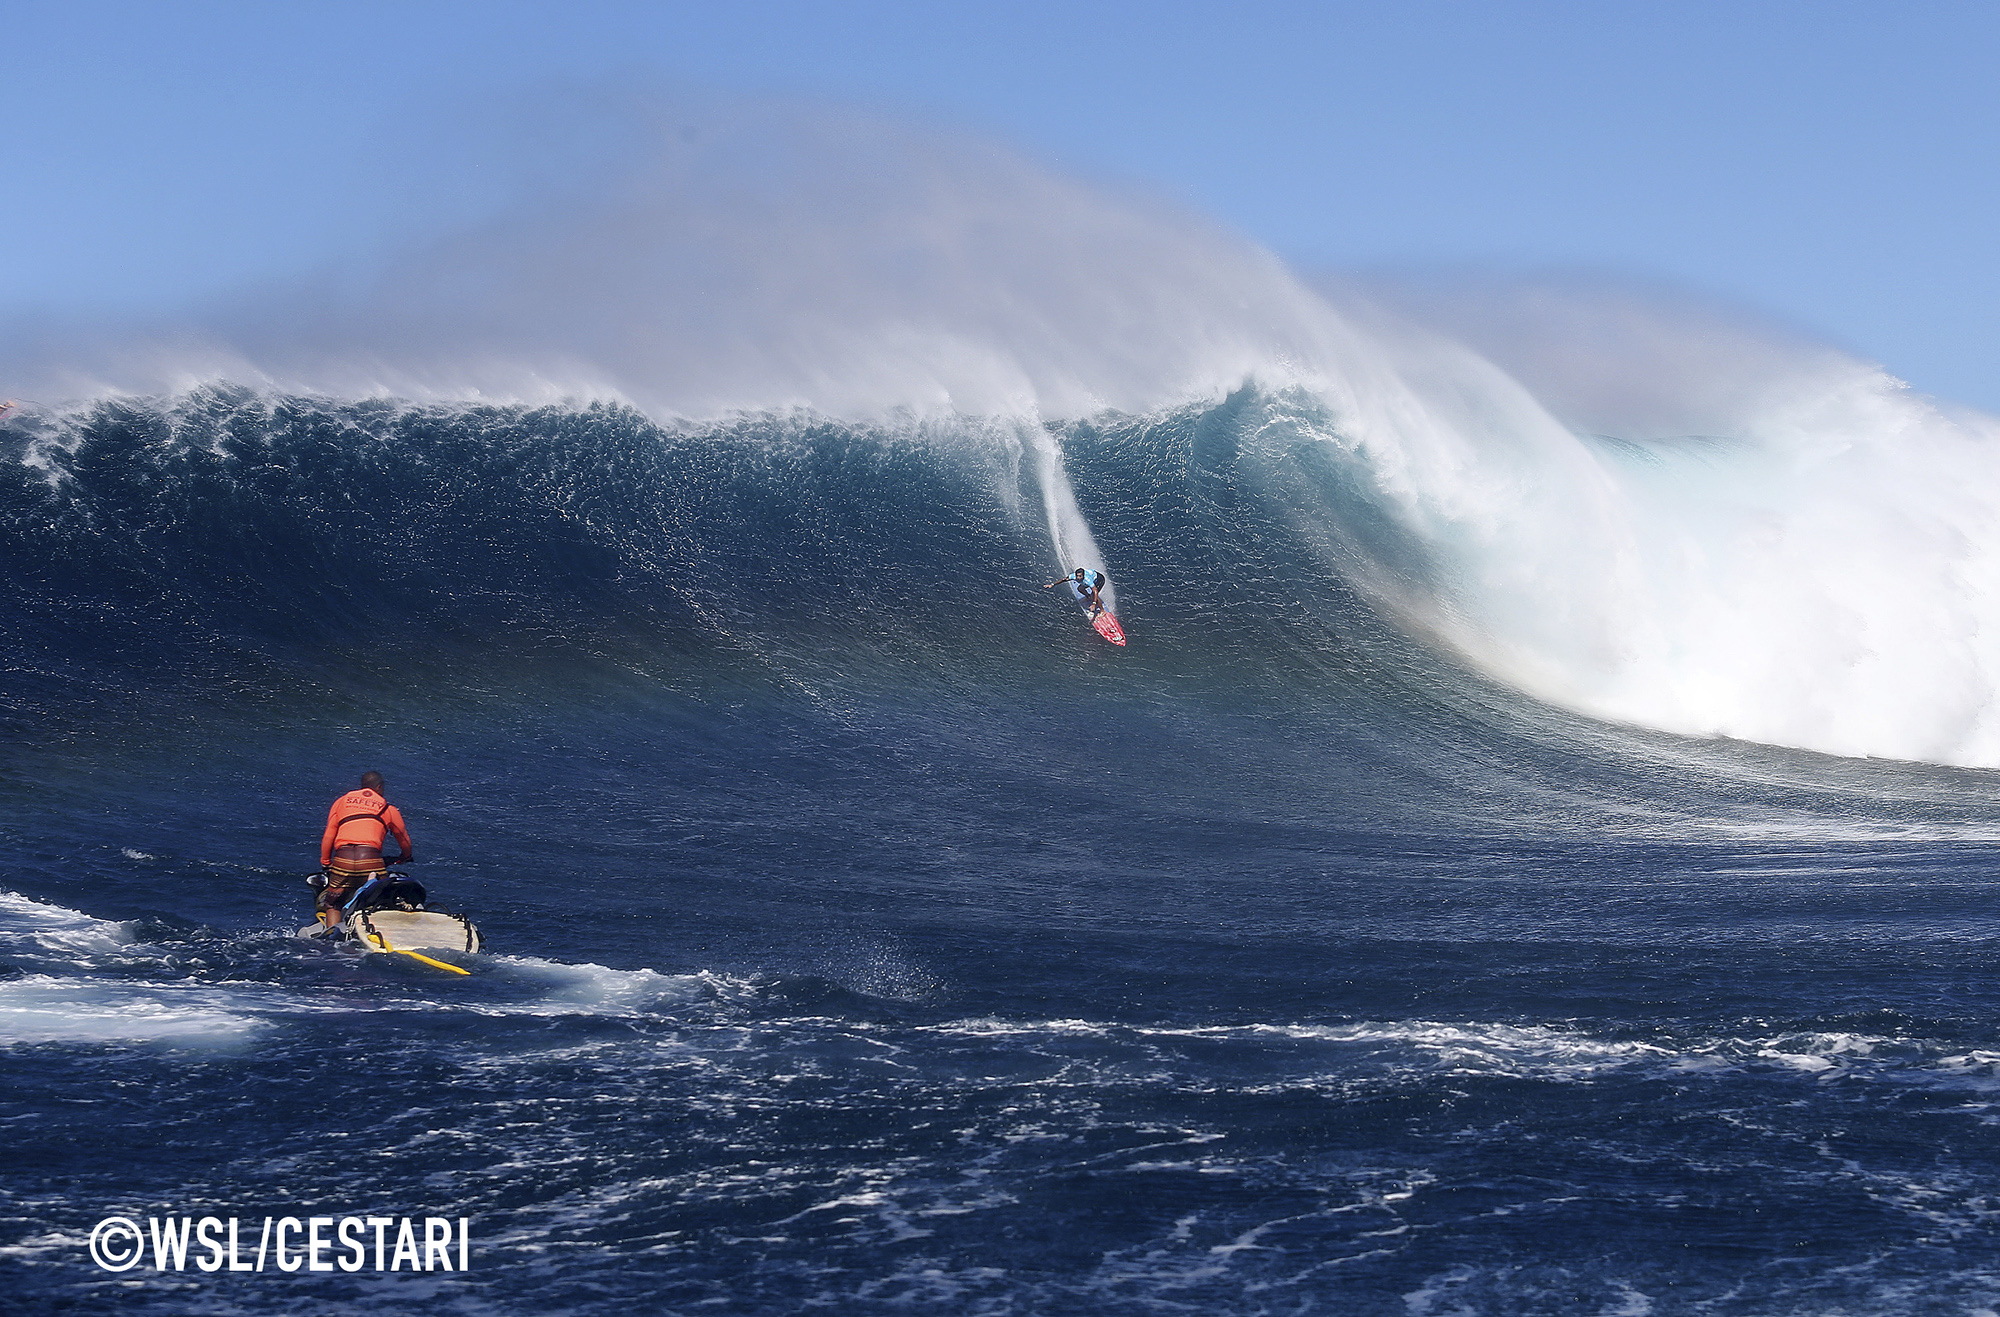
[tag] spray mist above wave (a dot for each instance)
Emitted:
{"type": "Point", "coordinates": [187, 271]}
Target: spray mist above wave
{"type": "Point", "coordinates": [731, 259]}
{"type": "Point", "coordinates": [1644, 515]}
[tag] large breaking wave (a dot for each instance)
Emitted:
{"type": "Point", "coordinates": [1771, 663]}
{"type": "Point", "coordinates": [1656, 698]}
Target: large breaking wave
{"type": "Point", "coordinates": [778, 385]}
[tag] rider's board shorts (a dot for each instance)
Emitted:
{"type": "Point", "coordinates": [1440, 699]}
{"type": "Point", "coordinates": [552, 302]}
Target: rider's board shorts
{"type": "Point", "coordinates": [351, 867]}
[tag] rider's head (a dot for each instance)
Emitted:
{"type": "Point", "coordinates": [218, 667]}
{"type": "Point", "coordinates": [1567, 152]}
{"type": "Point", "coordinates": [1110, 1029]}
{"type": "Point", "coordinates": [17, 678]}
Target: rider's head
{"type": "Point", "coordinates": [1078, 573]}
{"type": "Point", "coordinates": [372, 780]}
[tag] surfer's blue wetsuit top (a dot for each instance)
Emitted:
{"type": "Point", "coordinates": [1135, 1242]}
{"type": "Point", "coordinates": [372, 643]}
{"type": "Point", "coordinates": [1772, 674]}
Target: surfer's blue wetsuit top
{"type": "Point", "coordinates": [1081, 589]}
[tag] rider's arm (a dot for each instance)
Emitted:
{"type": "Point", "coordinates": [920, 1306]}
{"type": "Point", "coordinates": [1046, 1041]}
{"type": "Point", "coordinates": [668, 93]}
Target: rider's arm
{"type": "Point", "coordinates": [392, 818]}
{"type": "Point", "coordinates": [326, 839]}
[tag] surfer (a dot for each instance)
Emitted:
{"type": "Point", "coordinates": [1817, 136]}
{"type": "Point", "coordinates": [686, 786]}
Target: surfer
{"type": "Point", "coordinates": [350, 851]}
{"type": "Point", "coordinates": [1088, 585]}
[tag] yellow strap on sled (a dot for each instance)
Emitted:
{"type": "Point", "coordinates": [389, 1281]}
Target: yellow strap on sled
{"type": "Point", "coordinates": [383, 943]}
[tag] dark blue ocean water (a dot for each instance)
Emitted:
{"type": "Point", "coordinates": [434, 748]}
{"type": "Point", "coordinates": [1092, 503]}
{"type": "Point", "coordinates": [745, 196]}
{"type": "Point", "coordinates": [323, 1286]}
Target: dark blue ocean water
{"type": "Point", "coordinates": [868, 936]}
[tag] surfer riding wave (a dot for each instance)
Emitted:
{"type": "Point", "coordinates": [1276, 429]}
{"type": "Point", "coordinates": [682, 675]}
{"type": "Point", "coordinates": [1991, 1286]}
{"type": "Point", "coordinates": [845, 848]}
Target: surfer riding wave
{"type": "Point", "coordinates": [1087, 585]}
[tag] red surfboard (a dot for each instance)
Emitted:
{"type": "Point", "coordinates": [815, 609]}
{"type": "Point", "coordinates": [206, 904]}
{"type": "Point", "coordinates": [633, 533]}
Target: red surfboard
{"type": "Point", "coordinates": [1107, 625]}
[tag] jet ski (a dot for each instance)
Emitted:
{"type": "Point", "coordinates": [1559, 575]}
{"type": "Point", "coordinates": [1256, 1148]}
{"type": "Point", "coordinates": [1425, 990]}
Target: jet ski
{"type": "Point", "coordinates": [394, 917]}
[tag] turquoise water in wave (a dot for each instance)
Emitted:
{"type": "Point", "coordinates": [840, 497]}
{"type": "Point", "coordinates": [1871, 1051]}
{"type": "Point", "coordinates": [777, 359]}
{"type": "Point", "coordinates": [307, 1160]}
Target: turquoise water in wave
{"type": "Point", "coordinates": [867, 935]}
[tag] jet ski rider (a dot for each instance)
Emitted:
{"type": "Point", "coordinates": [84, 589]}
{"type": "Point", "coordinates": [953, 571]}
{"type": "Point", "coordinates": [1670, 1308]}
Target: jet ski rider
{"type": "Point", "coordinates": [1089, 586]}
{"type": "Point", "coordinates": [350, 851]}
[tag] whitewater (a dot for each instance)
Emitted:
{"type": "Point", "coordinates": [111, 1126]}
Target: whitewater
{"type": "Point", "coordinates": [1534, 855]}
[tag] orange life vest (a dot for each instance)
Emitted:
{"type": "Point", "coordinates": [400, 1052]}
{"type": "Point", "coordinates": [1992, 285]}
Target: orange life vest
{"type": "Point", "coordinates": [361, 818]}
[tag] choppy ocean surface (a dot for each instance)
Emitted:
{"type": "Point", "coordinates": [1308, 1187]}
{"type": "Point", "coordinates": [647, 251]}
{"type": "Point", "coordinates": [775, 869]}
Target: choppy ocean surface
{"type": "Point", "coordinates": [868, 936]}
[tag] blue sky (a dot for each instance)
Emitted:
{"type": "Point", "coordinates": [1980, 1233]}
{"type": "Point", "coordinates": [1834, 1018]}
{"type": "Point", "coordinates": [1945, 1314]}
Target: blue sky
{"type": "Point", "coordinates": [1835, 166]}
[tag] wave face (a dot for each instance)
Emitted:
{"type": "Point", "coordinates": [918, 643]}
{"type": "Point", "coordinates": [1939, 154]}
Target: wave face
{"type": "Point", "coordinates": [867, 928]}
{"type": "Point", "coordinates": [1820, 579]}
